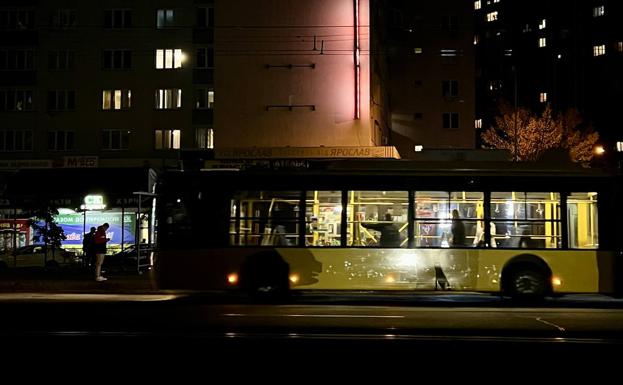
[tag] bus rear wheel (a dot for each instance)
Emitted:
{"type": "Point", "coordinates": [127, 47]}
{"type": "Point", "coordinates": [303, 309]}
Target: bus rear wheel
{"type": "Point", "coordinates": [527, 284]}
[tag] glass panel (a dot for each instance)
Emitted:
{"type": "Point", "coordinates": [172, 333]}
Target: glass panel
{"type": "Point", "coordinates": [117, 99]}
{"type": "Point", "coordinates": [531, 235]}
{"type": "Point", "coordinates": [159, 59]}
{"type": "Point", "coordinates": [431, 224]}
{"type": "Point", "coordinates": [543, 205]}
{"type": "Point", "coordinates": [168, 58]}
{"type": "Point", "coordinates": [582, 220]}
{"type": "Point", "coordinates": [508, 205]}
{"type": "Point", "coordinates": [106, 98]}
{"type": "Point", "coordinates": [178, 58]}
{"type": "Point", "coordinates": [377, 218]}
{"type": "Point", "coordinates": [267, 218]}
{"type": "Point", "coordinates": [323, 218]}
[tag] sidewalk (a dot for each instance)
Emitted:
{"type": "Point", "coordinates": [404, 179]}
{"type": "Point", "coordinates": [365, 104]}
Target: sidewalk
{"type": "Point", "coordinates": [76, 281]}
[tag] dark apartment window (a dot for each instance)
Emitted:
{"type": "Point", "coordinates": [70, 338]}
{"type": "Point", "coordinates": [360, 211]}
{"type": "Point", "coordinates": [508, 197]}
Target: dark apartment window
{"type": "Point", "coordinates": [204, 98]}
{"type": "Point", "coordinates": [117, 18]}
{"type": "Point", "coordinates": [115, 139]}
{"type": "Point", "coordinates": [418, 116]}
{"type": "Point", "coordinates": [450, 23]}
{"type": "Point", "coordinates": [60, 140]}
{"type": "Point", "coordinates": [205, 17]}
{"type": "Point", "coordinates": [205, 57]}
{"type": "Point", "coordinates": [450, 120]}
{"type": "Point", "coordinates": [16, 60]}
{"type": "Point", "coordinates": [64, 19]}
{"type": "Point", "coordinates": [17, 19]}
{"type": "Point", "coordinates": [61, 60]}
{"type": "Point", "coordinates": [16, 100]}
{"type": "Point", "coordinates": [418, 83]}
{"type": "Point", "coordinates": [117, 59]}
{"type": "Point", "coordinates": [450, 88]}
{"type": "Point", "coordinates": [15, 140]}
{"type": "Point", "coordinates": [165, 18]}
{"type": "Point", "coordinates": [61, 100]}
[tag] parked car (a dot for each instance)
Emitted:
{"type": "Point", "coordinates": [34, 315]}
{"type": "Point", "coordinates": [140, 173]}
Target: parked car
{"type": "Point", "coordinates": [34, 256]}
{"type": "Point", "coordinates": [126, 258]}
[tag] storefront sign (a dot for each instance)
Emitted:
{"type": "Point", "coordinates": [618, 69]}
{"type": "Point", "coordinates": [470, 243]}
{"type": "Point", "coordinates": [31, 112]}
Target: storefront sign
{"type": "Point", "coordinates": [93, 202]}
{"type": "Point", "coordinates": [308, 152]}
{"type": "Point", "coordinates": [26, 163]}
{"type": "Point", "coordinates": [80, 161]}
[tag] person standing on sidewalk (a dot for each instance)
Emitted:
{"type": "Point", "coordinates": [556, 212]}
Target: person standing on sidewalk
{"type": "Point", "coordinates": [100, 250]}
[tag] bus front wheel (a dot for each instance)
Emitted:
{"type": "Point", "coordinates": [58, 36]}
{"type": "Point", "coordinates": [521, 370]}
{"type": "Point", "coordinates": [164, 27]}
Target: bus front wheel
{"type": "Point", "coordinates": [525, 284]}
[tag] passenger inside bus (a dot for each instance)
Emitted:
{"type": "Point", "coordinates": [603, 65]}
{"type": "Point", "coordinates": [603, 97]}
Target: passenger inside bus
{"type": "Point", "coordinates": [390, 236]}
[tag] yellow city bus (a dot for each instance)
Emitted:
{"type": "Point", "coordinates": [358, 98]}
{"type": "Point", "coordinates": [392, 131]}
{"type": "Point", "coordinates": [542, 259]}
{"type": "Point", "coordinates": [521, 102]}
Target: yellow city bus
{"type": "Point", "coordinates": [522, 230]}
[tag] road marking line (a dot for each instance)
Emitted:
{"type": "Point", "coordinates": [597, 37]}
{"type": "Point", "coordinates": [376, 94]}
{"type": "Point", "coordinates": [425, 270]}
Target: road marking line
{"type": "Point", "coordinates": [560, 328]}
{"type": "Point", "coordinates": [312, 315]}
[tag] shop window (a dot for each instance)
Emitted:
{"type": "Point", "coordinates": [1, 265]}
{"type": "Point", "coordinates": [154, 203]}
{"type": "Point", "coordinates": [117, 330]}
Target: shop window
{"type": "Point", "coordinates": [323, 218]}
{"type": "Point", "coordinates": [582, 220]}
{"type": "Point", "coordinates": [526, 220]}
{"type": "Point", "coordinates": [377, 218]}
{"type": "Point", "coordinates": [265, 218]}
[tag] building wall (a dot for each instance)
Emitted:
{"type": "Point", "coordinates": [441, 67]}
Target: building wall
{"type": "Point", "coordinates": [255, 85]}
{"type": "Point", "coordinates": [430, 43]}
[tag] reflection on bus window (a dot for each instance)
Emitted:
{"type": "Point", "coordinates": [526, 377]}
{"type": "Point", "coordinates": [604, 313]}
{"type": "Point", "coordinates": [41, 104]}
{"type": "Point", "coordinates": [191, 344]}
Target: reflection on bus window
{"type": "Point", "coordinates": [433, 218]}
{"type": "Point", "coordinates": [526, 219]}
{"type": "Point", "coordinates": [582, 220]}
{"type": "Point", "coordinates": [323, 218]}
{"type": "Point", "coordinates": [267, 218]}
{"type": "Point", "coordinates": [377, 218]}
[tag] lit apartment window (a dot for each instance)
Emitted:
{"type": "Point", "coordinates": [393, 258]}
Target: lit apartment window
{"type": "Point", "coordinates": [492, 16]}
{"type": "Point", "coordinates": [168, 58]}
{"type": "Point", "coordinates": [115, 139]}
{"type": "Point", "coordinates": [450, 120]}
{"type": "Point", "coordinates": [476, 39]}
{"type": "Point", "coordinates": [542, 42]}
{"type": "Point", "coordinates": [165, 18]}
{"type": "Point", "coordinates": [450, 88]}
{"type": "Point", "coordinates": [619, 146]}
{"type": "Point", "coordinates": [448, 52]}
{"type": "Point", "coordinates": [496, 1]}
{"type": "Point", "coordinates": [478, 123]}
{"type": "Point", "coordinates": [205, 57]}
{"type": "Point", "coordinates": [117, 59]}
{"type": "Point", "coordinates": [527, 28]}
{"type": "Point", "coordinates": [117, 18]}
{"type": "Point", "coordinates": [599, 50]}
{"type": "Point", "coordinates": [60, 140]}
{"type": "Point", "coordinates": [16, 100]}
{"type": "Point", "coordinates": [61, 100]}
{"type": "Point", "coordinates": [508, 52]}
{"type": "Point", "coordinates": [116, 99]}
{"type": "Point", "coordinates": [61, 60]}
{"type": "Point", "coordinates": [205, 137]}
{"type": "Point", "coordinates": [168, 139]}
{"type": "Point", "coordinates": [15, 140]}
{"type": "Point", "coordinates": [477, 4]}
{"type": "Point", "coordinates": [204, 98]}
{"type": "Point", "coordinates": [205, 17]}
{"type": "Point", "coordinates": [417, 50]}
{"type": "Point", "coordinates": [170, 98]}
{"type": "Point", "coordinates": [619, 46]}
{"type": "Point", "coordinates": [543, 24]}
{"type": "Point", "coordinates": [599, 11]}
{"type": "Point", "coordinates": [16, 59]}
{"type": "Point", "coordinates": [17, 19]}
{"type": "Point", "coordinates": [543, 97]}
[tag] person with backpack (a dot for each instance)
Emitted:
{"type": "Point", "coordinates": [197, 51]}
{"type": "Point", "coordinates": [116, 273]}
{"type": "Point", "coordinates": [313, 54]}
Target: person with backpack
{"type": "Point", "coordinates": [99, 246]}
{"type": "Point", "coordinates": [88, 249]}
